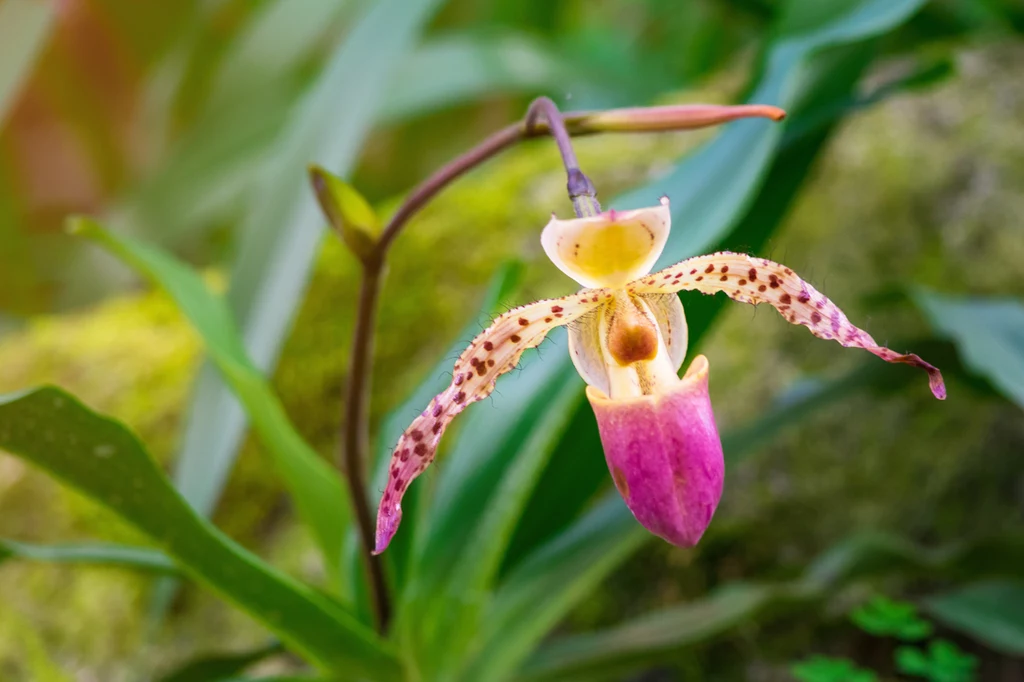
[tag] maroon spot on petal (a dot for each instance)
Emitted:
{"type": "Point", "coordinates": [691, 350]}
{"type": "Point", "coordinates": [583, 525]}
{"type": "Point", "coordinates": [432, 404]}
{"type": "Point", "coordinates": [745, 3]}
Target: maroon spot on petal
{"type": "Point", "coordinates": [490, 363]}
{"type": "Point", "coordinates": [815, 317]}
{"type": "Point", "coordinates": [820, 304]}
{"type": "Point", "coordinates": [547, 319]}
{"type": "Point", "coordinates": [785, 298]}
{"type": "Point", "coordinates": [437, 409]}
{"type": "Point", "coordinates": [416, 434]}
{"type": "Point", "coordinates": [481, 369]}
{"type": "Point", "coordinates": [523, 321]}
{"type": "Point", "coordinates": [556, 309]}
{"type": "Point", "coordinates": [742, 282]}
{"type": "Point", "coordinates": [436, 428]}
{"type": "Point", "coordinates": [458, 379]}
{"type": "Point", "coordinates": [774, 284]}
{"type": "Point", "coordinates": [404, 454]}
{"type": "Point", "coordinates": [514, 338]}
{"type": "Point", "coordinates": [668, 276]}
{"type": "Point", "coordinates": [459, 397]}
{"type": "Point", "coordinates": [804, 297]}
{"type": "Point", "coordinates": [708, 269]}
{"type": "Point", "coordinates": [488, 345]}
{"type": "Point", "coordinates": [723, 278]}
{"type": "Point", "coordinates": [762, 288]}
{"type": "Point", "coordinates": [725, 268]}
{"type": "Point", "coordinates": [788, 271]}
{"type": "Point", "coordinates": [752, 274]}
{"type": "Point", "coordinates": [693, 272]}
{"type": "Point", "coordinates": [700, 277]}
{"type": "Point", "coordinates": [420, 449]}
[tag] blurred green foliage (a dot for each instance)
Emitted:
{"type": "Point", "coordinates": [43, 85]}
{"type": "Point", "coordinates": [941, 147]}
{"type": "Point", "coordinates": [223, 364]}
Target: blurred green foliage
{"type": "Point", "coordinates": [168, 131]}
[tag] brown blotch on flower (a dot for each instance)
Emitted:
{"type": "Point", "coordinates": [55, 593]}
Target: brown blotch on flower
{"type": "Point", "coordinates": [709, 269]}
{"type": "Point", "coordinates": [488, 345]}
{"type": "Point", "coordinates": [523, 321]}
{"type": "Point", "coordinates": [420, 449]}
{"type": "Point", "coordinates": [514, 338]}
{"type": "Point", "coordinates": [631, 336]}
{"type": "Point", "coordinates": [762, 288]}
{"type": "Point", "coordinates": [815, 317]}
{"type": "Point", "coordinates": [785, 298]}
{"type": "Point", "coordinates": [752, 274]}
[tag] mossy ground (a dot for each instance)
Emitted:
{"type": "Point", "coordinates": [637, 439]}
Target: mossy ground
{"type": "Point", "coordinates": [926, 188]}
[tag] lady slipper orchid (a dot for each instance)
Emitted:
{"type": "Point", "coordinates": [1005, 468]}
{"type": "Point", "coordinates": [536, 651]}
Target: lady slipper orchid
{"type": "Point", "coordinates": [627, 338]}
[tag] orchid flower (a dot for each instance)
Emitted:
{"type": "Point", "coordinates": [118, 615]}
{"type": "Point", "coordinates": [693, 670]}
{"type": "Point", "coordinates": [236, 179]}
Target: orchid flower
{"type": "Point", "coordinates": [627, 339]}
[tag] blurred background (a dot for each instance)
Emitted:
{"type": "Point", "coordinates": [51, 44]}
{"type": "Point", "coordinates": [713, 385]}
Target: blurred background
{"type": "Point", "coordinates": [898, 191]}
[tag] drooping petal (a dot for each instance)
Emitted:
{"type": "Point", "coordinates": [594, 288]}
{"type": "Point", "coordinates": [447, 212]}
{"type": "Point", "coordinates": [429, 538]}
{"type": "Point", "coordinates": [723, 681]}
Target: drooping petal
{"type": "Point", "coordinates": [492, 353]}
{"type": "Point", "coordinates": [610, 249]}
{"type": "Point", "coordinates": [664, 455]}
{"type": "Point", "coordinates": [756, 280]}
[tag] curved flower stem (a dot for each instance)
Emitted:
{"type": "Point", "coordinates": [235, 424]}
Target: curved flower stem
{"type": "Point", "coordinates": [355, 436]}
{"type": "Point", "coordinates": [581, 189]}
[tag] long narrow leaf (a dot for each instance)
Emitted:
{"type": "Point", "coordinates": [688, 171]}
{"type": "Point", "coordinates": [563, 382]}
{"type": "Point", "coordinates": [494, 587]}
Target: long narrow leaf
{"type": "Point", "coordinates": [318, 492]}
{"type": "Point", "coordinates": [104, 461]}
{"type": "Point", "coordinates": [989, 334]}
{"type": "Point", "coordinates": [643, 641]}
{"type": "Point", "coordinates": [95, 553]}
{"type": "Point", "coordinates": [990, 612]}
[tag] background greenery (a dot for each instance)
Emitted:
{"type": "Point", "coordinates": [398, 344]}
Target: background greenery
{"type": "Point", "coordinates": [895, 186]}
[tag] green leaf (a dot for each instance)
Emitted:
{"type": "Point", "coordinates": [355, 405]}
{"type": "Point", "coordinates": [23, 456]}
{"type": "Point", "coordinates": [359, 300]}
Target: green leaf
{"type": "Point", "coordinates": [101, 459]}
{"type": "Point", "coordinates": [319, 494]}
{"type": "Point", "coordinates": [217, 668]}
{"type": "Point", "coordinates": [867, 554]}
{"type": "Point", "coordinates": [638, 642]}
{"type": "Point", "coordinates": [349, 213]}
{"type": "Point", "coordinates": [711, 189]}
{"type": "Point", "coordinates": [99, 554]}
{"type": "Point", "coordinates": [988, 332]}
{"type": "Point", "coordinates": [943, 662]}
{"type": "Point", "coordinates": [882, 616]}
{"type": "Point", "coordinates": [460, 68]}
{"type": "Point", "coordinates": [536, 595]}
{"type": "Point", "coordinates": [825, 669]}
{"type": "Point", "coordinates": [990, 612]}
{"type": "Point", "coordinates": [648, 639]}
{"type": "Point", "coordinates": [24, 28]}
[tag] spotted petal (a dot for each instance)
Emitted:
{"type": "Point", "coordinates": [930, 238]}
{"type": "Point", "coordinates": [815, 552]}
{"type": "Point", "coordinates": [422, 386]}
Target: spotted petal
{"type": "Point", "coordinates": [756, 280]}
{"type": "Point", "coordinates": [492, 353]}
